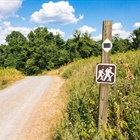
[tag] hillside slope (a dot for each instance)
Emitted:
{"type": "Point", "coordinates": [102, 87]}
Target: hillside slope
{"type": "Point", "coordinates": [123, 105]}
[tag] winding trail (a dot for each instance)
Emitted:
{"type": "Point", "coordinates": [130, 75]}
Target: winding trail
{"type": "Point", "coordinates": [18, 102]}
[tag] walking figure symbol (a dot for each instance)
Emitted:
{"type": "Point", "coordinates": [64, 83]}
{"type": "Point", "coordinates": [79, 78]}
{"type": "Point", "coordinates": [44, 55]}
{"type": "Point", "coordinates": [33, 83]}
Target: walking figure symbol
{"type": "Point", "coordinates": [108, 74]}
{"type": "Point", "coordinates": [105, 74]}
{"type": "Point", "coordinates": [101, 74]}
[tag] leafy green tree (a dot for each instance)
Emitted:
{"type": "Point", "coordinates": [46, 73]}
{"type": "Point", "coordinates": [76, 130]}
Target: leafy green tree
{"type": "Point", "coordinates": [16, 38]}
{"type": "Point", "coordinates": [14, 49]}
{"type": "Point", "coordinates": [81, 45]}
{"type": "Point", "coordinates": [86, 45]}
{"type": "Point", "coordinates": [135, 37]}
{"type": "Point", "coordinates": [71, 47]}
{"type": "Point", "coordinates": [46, 50]}
{"type": "Point", "coordinates": [97, 48]}
{"type": "Point", "coordinates": [119, 44]}
{"type": "Point", "coordinates": [2, 55]}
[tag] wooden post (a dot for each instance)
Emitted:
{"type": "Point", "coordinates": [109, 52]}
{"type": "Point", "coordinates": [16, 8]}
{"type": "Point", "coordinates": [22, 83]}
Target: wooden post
{"type": "Point", "coordinates": [104, 88]}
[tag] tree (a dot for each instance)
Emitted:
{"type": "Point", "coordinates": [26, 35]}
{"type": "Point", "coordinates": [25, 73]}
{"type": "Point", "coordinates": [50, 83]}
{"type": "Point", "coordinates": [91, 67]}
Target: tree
{"type": "Point", "coordinates": [14, 49]}
{"type": "Point", "coordinates": [135, 37]}
{"type": "Point", "coordinates": [2, 55]}
{"type": "Point", "coordinates": [119, 44]}
{"type": "Point", "coordinates": [80, 46]}
{"type": "Point", "coordinates": [16, 38]}
{"type": "Point", "coordinates": [46, 50]}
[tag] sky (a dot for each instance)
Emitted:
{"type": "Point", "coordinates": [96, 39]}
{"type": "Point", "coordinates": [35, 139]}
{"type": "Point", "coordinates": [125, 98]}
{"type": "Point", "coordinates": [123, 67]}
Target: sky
{"type": "Point", "coordinates": [64, 17]}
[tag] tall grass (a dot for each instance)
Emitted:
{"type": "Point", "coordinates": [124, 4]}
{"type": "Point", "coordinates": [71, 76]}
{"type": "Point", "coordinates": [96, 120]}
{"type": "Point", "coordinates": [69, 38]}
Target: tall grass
{"type": "Point", "coordinates": [9, 76]}
{"type": "Point", "coordinates": [81, 119]}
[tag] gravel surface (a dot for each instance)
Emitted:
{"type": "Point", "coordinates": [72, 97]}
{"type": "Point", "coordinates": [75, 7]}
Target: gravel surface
{"type": "Point", "coordinates": [17, 103]}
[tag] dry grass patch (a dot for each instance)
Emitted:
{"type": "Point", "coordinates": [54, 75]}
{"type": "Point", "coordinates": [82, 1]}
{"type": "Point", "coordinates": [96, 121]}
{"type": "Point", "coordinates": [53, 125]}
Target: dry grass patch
{"type": "Point", "coordinates": [8, 76]}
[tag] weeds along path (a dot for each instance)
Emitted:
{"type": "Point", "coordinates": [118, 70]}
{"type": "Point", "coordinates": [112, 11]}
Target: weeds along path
{"type": "Point", "coordinates": [27, 108]}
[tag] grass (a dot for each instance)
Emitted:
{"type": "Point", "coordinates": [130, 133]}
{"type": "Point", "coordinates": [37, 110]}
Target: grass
{"type": "Point", "coordinates": [8, 76]}
{"type": "Point", "coordinates": [81, 119]}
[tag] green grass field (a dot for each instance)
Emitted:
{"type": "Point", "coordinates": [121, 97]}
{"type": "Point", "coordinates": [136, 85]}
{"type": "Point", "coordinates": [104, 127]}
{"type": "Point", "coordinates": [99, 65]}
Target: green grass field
{"type": "Point", "coordinates": [81, 117]}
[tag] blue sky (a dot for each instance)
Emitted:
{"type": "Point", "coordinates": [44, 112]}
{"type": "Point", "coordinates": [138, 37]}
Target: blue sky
{"type": "Point", "coordinates": [64, 17]}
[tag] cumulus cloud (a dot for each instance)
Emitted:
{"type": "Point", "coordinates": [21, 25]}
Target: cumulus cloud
{"type": "Point", "coordinates": [87, 29]}
{"type": "Point", "coordinates": [57, 31]}
{"type": "Point", "coordinates": [9, 8]}
{"type": "Point", "coordinates": [6, 23]}
{"type": "Point", "coordinates": [98, 37]}
{"type": "Point", "coordinates": [117, 26]}
{"type": "Point", "coordinates": [59, 12]}
{"type": "Point", "coordinates": [6, 28]}
{"type": "Point", "coordinates": [137, 24]}
{"type": "Point", "coordinates": [117, 29]}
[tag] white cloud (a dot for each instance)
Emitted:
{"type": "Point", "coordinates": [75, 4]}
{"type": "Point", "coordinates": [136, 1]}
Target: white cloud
{"type": "Point", "coordinates": [59, 12]}
{"type": "Point", "coordinates": [6, 23]}
{"type": "Point", "coordinates": [57, 31]}
{"type": "Point", "coordinates": [87, 29]}
{"type": "Point", "coordinates": [23, 18]}
{"type": "Point", "coordinates": [9, 8]}
{"type": "Point", "coordinates": [137, 24]}
{"type": "Point", "coordinates": [97, 38]}
{"type": "Point", "coordinates": [117, 29]}
{"type": "Point", "coordinates": [117, 26]}
{"type": "Point", "coordinates": [6, 28]}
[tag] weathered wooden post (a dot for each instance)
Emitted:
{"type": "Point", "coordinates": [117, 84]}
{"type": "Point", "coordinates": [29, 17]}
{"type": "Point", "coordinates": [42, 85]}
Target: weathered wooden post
{"type": "Point", "coordinates": [104, 88]}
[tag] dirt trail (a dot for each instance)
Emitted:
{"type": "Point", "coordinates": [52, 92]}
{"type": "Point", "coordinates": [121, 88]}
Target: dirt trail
{"type": "Point", "coordinates": [48, 112]}
{"type": "Point", "coordinates": [33, 116]}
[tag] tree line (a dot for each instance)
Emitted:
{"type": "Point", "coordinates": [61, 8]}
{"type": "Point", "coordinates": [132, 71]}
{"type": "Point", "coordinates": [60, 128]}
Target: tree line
{"type": "Point", "coordinates": [42, 50]}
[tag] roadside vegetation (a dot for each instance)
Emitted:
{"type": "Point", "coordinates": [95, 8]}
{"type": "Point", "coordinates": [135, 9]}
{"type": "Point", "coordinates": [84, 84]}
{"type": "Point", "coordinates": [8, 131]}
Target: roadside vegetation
{"type": "Point", "coordinates": [41, 51]}
{"type": "Point", "coordinates": [81, 117]}
{"type": "Point", "coordinates": [8, 76]}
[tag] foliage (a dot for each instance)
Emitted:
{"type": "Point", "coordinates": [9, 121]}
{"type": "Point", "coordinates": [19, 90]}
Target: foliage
{"type": "Point", "coordinates": [42, 50]}
{"type": "Point", "coordinates": [135, 37]}
{"type": "Point", "coordinates": [9, 76]}
{"type": "Point", "coordinates": [81, 46]}
{"type": "Point", "coordinates": [120, 45]}
{"type": "Point", "coordinates": [81, 120]}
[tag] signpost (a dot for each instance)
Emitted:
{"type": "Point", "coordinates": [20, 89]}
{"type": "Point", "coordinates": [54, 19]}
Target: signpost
{"type": "Point", "coordinates": [105, 75]}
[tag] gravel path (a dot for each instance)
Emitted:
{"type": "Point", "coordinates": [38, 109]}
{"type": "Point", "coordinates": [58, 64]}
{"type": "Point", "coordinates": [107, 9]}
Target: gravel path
{"type": "Point", "coordinates": [17, 103]}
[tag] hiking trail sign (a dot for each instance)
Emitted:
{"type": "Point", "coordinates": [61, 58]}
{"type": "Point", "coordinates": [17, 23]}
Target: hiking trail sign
{"type": "Point", "coordinates": [105, 73]}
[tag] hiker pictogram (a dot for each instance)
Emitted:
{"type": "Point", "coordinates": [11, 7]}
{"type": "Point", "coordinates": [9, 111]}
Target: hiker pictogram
{"type": "Point", "coordinates": [101, 74]}
{"type": "Point", "coordinates": [105, 73]}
